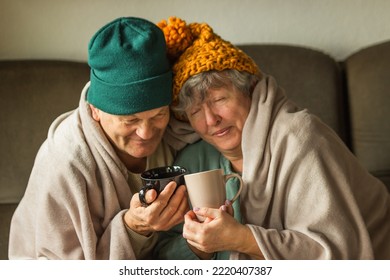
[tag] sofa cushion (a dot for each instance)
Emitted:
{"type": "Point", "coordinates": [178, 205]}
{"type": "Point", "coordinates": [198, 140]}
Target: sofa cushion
{"type": "Point", "coordinates": [6, 211]}
{"type": "Point", "coordinates": [368, 81]}
{"type": "Point", "coordinates": [311, 79]}
{"type": "Point", "coordinates": [33, 94]}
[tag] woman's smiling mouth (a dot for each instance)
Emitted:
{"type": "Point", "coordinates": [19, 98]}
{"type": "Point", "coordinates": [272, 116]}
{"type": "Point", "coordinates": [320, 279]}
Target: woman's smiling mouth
{"type": "Point", "coordinates": [221, 132]}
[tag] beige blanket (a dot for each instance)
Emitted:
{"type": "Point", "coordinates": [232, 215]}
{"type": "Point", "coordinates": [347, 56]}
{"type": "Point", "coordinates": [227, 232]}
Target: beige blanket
{"type": "Point", "coordinates": [306, 195]}
{"type": "Point", "coordinates": [76, 196]}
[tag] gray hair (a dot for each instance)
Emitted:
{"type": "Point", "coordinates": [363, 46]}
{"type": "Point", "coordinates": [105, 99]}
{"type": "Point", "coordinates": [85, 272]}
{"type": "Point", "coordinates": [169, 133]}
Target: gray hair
{"type": "Point", "coordinates": [196, 87]}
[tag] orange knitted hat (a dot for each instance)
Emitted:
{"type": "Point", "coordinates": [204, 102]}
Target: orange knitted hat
{"type": "Point", "coordinates": [195, 48]}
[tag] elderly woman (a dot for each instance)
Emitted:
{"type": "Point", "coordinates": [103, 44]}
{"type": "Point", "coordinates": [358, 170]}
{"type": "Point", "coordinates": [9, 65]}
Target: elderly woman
{"type": "Point", "coordinates": [305, 196]}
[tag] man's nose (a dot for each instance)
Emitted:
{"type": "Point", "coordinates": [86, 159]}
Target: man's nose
{"type": "Point", "coordinates": [145, 130]}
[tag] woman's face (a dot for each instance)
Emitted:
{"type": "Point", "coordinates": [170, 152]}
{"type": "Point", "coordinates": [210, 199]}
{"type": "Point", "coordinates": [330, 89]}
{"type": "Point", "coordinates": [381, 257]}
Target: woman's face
{"type": "Point", "coordinates": [220, 118]}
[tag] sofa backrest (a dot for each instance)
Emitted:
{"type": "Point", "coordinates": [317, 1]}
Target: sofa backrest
{"type": "Point", "coordinates": [311, 78]}
{"type": "Point", "coordinates": [368, 81]}
{"type": "Point", "coordinates": [33, 94]}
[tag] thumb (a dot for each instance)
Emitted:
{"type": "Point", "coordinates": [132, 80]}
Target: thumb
{"type": "Point", "coordinates": [150, 196]}
{"type": "Point", "coordinates": [228, 207]}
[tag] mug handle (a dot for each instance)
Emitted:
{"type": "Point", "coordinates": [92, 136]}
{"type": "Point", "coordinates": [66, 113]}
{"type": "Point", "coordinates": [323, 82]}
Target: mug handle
{"type": "Point", "coordinates": [227, 177]}
{"type": "Point", "coordinates": [142, 193]}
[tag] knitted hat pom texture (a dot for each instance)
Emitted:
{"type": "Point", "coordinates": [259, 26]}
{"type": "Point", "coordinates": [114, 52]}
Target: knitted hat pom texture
{"type": "Point", "coordinates": [195, 48]}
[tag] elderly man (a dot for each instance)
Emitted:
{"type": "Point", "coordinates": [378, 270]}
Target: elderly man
{"type": "Point", "coordinates": [81, 201]}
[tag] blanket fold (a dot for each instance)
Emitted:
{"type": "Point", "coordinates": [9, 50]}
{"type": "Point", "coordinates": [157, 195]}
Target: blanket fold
{"type": "Point", "coordinates": [76, 196]}
{"type": "Point", "coordinates": [300, 200]}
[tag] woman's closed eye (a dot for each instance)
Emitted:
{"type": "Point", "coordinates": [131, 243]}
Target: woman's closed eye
{"type": "Point", "coordinates": [219, 99]}
{"type": "Point", "coordinates": [194, 111]}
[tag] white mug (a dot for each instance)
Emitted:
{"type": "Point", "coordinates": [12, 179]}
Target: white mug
{"type": "Point", "coordinates": [208, 188]}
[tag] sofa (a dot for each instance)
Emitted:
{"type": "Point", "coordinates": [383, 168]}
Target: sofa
{"type": "Point", "coordinates": [351, 96]}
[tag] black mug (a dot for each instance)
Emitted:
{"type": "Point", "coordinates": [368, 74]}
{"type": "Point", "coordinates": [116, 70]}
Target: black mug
{"type": "Point", "coordinates": [158, 178]}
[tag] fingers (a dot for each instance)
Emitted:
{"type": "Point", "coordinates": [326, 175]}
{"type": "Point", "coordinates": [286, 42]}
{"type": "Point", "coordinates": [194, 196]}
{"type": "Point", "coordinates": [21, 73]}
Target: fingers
{"type": "Point", "coordinates": [162, 200]}
{"type": "Point", "coordinates": [150, 196]}
{"type": "Point", "coordinates": [210, 213]}
{"type": "Point", "coordinates": [176, 208]}
{"type": "Point", "coordinates": [190, 215]}
{"type": "Point", "coordinates": [216, 233]}
{"type": "Point", "coordinates": [178, 197]}
{"type": "Point", "coordinates": [212, 218]}
{"type": "Point", "coordinates": [207, 213]}
{"type": "Point", "coordinates": [135, 217]}
{"type": "Point", "coordinates": [169, 207]}
{"type": "Point", "coordinates": [190, 225]}
{"type": "Point", "coordinates": [166, 210]}
{"type": "Point", "coordinates": [197, 233]}
{"type": "Point", "coordinates": [184, 205]}
{"type": "Point", "coordinates": [228, 208]}
{"type": "Point", "coordinates": [135, 202]}
{"type": "Point", "coordinates": [164, 196]}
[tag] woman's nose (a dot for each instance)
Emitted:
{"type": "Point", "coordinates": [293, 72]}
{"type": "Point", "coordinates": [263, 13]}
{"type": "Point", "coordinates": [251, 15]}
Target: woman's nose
{"type": "Point", "coordinates": [212, 118]}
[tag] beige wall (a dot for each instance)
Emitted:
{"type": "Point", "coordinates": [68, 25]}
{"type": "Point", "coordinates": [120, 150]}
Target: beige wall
{"type": "Point", "coordinates": [61, 29]}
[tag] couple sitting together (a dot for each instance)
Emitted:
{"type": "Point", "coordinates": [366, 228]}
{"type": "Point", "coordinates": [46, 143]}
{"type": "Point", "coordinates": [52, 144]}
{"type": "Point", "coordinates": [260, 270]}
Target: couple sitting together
{"type": "Point", "coordinates": [177, 93]}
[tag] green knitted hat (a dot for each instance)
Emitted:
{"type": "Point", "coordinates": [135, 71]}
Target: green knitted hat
{"type": "Point", "coordinates": [130, 72]}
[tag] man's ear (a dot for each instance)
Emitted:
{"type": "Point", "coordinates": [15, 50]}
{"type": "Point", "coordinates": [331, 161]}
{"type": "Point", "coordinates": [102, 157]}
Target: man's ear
{"type": "Point", "coordinates": [95, 112]}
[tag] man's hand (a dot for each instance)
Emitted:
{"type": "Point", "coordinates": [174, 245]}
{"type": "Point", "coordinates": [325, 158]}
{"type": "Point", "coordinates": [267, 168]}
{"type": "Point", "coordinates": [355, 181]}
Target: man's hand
{"type": "Point", "coordinates": [166, 211]}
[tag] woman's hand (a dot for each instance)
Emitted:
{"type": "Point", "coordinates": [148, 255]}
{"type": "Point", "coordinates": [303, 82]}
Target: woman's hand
{"type": "Point", "coordinates": [216, 233]}
{"type": "Point", "coordinates": [219, 232]}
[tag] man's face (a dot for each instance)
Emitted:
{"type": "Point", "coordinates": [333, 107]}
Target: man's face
{"type": "Point", "coordinates": [135, 135]}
